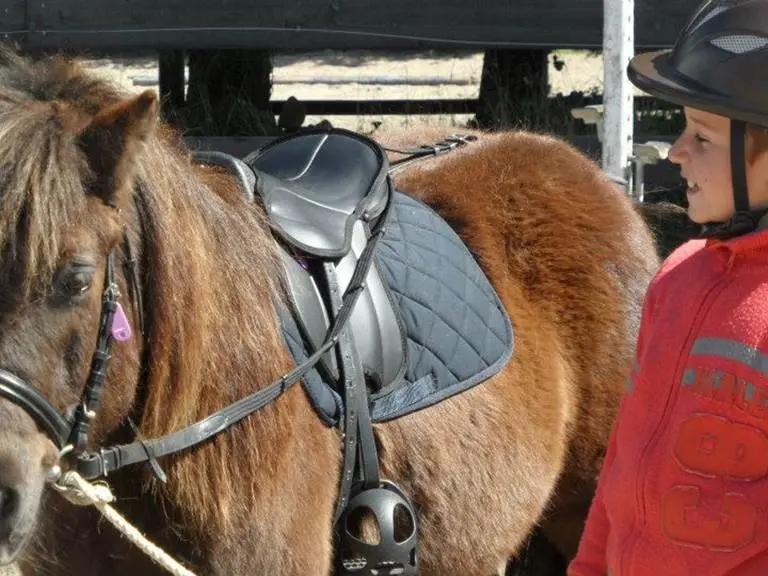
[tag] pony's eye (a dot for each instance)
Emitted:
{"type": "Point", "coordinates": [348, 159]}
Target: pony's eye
{"type": "Point", "coordinates": [72, 282]}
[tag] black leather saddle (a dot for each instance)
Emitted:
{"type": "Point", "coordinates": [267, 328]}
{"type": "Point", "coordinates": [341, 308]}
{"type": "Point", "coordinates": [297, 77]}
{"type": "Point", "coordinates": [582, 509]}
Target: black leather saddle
{"type": "Point", "coordinates": [324, 191]}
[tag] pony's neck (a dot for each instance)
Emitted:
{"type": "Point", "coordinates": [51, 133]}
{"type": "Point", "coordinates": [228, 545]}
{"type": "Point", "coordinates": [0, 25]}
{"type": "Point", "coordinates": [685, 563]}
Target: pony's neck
{"type": "Point", "coordinates": [212, 280]}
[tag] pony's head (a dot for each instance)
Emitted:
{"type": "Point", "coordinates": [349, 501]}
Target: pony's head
{"type": "Point", "coordinates": [68, 147]}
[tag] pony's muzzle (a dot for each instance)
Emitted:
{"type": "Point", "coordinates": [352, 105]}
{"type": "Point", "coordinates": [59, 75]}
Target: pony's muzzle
{"type": "Point", "coordinates": [26, 455]}
{"type": "Point", "coordinates": [9, 510]}
{"type": "Point", "coordinates": [12, 490]}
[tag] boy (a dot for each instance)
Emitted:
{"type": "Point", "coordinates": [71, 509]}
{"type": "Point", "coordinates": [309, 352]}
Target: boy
{"type": "Point", "coordinates": [684, 485]}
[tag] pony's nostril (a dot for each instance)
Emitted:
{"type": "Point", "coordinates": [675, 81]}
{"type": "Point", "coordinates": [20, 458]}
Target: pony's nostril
{"type": "Point", "coordinates": [9, 506]}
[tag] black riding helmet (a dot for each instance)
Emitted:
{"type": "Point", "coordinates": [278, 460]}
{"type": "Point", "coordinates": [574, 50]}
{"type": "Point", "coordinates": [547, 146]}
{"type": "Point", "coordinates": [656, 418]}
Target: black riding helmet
{"type": "Point", "coordinates": [719, 64]}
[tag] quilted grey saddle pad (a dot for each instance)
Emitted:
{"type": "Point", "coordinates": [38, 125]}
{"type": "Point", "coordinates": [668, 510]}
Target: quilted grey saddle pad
{"type": "Point", "coordinates": [457, 332]}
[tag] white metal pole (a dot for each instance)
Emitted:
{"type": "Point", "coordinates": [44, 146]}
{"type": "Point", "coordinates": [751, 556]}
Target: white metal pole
{"type": "Point", "coordinates": [618, 49]}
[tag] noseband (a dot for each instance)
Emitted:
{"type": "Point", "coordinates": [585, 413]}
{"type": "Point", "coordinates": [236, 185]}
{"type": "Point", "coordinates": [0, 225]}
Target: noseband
{"type": "Point", "coordinates": [53, 423]}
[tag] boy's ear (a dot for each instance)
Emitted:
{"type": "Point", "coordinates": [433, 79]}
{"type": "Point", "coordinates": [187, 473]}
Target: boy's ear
{"type": "Point", "coordinates": [113, 141]}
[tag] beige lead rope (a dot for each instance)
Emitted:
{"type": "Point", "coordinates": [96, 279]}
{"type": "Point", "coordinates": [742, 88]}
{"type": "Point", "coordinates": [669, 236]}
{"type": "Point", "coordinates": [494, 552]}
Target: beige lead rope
{"type": "Point", "coordinates": [80, 492]}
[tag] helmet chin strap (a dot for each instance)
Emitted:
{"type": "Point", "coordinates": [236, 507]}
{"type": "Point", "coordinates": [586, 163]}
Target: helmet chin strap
{"type": "Point", "coordinates": [739, 166]}
{"type": "Point", "coordinates": [744, 220]}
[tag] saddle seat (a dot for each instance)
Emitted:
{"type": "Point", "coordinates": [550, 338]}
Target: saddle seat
{"type": "Point", "coordinates": [324, 192]}
{"type": "Point", "coordinates": [316, 185]}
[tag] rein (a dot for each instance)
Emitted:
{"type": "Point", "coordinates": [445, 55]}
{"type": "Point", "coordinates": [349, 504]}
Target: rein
{"type": "Point", "coordinates": [109, 460]}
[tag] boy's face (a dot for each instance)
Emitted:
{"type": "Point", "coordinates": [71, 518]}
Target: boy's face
{"type": "Point", "coordinates": [703, 152]}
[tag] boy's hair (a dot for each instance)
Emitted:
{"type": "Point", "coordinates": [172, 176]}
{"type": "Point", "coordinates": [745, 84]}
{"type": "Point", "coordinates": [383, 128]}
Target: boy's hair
{"type": "Point", "coordinates": [757, 141]}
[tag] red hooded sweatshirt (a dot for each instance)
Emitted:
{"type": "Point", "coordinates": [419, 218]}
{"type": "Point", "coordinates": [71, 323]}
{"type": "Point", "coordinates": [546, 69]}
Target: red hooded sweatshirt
{"type": "Point", "coordinates": [684, 485]}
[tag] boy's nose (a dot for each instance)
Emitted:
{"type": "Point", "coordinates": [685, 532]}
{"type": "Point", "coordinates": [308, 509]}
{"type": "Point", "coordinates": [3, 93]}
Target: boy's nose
{"type": "Point", "coordinates": [676, 152]}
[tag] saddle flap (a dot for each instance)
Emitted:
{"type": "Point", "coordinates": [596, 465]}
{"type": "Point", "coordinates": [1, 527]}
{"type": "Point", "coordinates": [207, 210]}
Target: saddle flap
{"type": "Point", "coordinates": [311, 316]}
{"type": "Point", "coordinates": [375, 325]}
{"type": "Point", "coordinates": [315, 185]}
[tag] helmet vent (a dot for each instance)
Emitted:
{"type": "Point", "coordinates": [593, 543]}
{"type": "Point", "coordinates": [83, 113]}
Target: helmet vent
{"type": "Point", "coordinates": [740, 43]}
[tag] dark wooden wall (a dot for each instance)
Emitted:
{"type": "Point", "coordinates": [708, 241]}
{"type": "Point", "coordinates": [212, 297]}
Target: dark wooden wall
{"type": "Point", "coordinates": [327, 24]}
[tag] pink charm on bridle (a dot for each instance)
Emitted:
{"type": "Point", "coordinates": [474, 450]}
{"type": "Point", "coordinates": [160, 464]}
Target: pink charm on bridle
{"type": "Point", "coordinates": [121, 328]}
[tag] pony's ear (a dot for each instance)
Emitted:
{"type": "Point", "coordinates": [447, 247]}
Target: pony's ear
{"type": "Point", "coordinates": [113, 140]}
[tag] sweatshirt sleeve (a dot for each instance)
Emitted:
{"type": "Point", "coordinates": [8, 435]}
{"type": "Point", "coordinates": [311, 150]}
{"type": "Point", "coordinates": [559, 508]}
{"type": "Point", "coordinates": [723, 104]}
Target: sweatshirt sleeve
{"type": "Point", "coordinates": [590, 559]}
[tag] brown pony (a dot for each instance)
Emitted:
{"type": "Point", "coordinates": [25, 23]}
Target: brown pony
{"type": "Point", "coordinates": [83, 164]}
